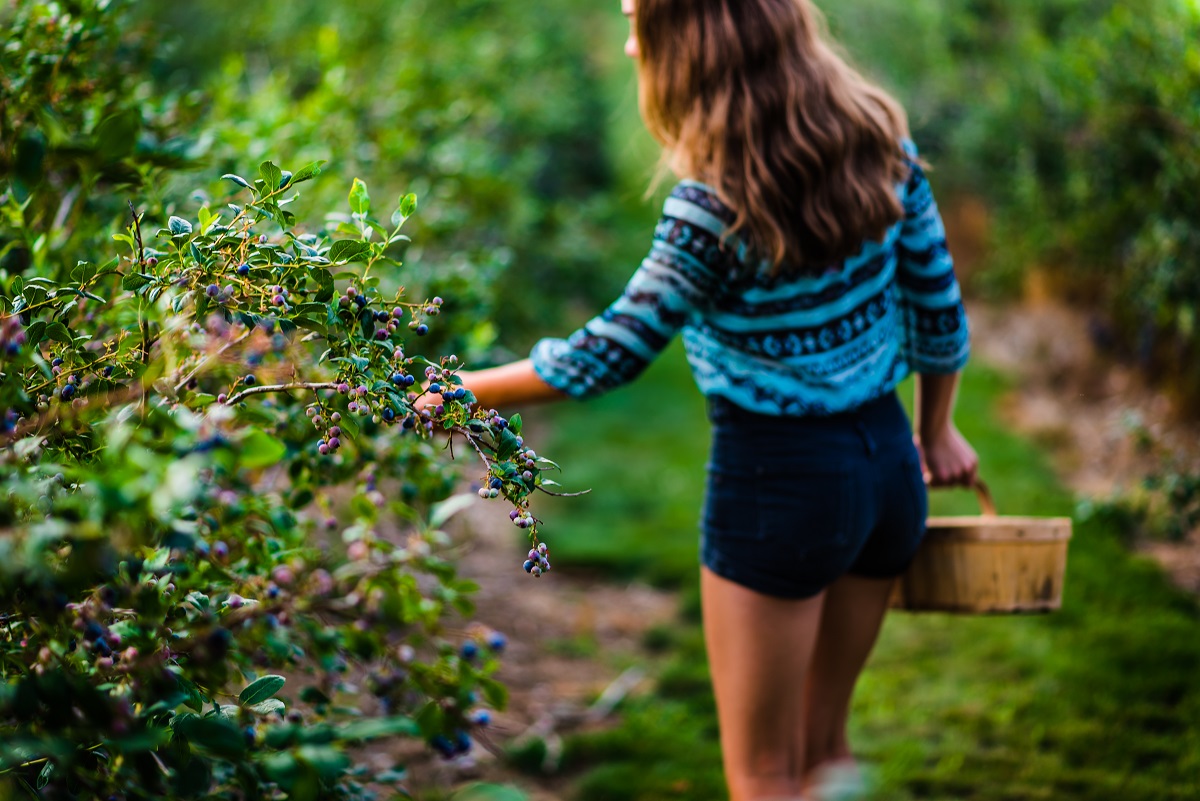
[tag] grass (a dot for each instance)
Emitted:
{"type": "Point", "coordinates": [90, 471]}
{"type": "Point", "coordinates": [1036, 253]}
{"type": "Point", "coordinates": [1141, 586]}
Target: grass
{"type": "Point", "coordinates": [1100, 701]}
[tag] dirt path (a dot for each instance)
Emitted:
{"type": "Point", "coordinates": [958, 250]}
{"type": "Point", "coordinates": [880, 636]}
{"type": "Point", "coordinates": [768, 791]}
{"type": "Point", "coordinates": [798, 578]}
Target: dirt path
{"type": "Point", "coordinates": [1104, 428]}
{"type": "Point", "coordinates": [571, 638]}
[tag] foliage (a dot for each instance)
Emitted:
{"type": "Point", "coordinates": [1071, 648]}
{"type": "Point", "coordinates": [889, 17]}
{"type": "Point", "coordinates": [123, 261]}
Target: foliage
{"type": "Point", "coordinates": [488, 109]}
{"type": "Point", "coordinates": [222, 510]}
{"type": "Point", "coordinates": [1080, 121]}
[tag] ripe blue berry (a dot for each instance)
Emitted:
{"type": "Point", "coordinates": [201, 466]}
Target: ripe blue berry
{"type": "Point", "coordinates": [212, 290]}
{"type": "Point", "coordinates": [410, 422]}
{"type": "Point", "coordinates": [409, 380]}
{"type": "Point", "coordinates": [528, 566]}
{"type": "Point", "coordinates": [422, 330]}
{"type": "Point", "coordinates": [469, 650]}
{"type": "Point", "coordinates": [243, 269]}
{"type": "Point", "coordinates": [389, 415]}
{"type": "Point", "coordinates": [250, 380]}
{"type": "Point", "coordinates": [435, 388]}
{"type": "Point", "coordinates": [497, 642]}
{"type": "Point", "coordinates": [397, 378]}
{"type": "Point", "coordinates": [68, 391]}
{"type": "Point", "coordinates": [56, 363]}
{"type": "Point", "coordinates": [496, 483]}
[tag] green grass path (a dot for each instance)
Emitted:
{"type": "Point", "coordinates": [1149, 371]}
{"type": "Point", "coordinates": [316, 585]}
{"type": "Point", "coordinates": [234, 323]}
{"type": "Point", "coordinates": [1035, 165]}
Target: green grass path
{"type": "Point", "coordinates": [1100, 701]}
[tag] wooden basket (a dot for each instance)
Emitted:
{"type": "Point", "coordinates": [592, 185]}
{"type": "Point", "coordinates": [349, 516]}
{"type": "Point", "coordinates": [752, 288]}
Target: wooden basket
{"type": "Point", "coordinates": [987, 564]}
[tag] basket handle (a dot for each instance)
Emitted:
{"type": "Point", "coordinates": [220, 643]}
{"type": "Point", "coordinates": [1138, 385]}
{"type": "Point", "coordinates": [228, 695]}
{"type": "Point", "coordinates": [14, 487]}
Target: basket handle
{"type": "Point", "coordinates": [987, 506]}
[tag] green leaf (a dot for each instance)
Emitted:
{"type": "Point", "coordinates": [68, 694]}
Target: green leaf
{"type": "Point", "coordinates": [179, 226]}
{"type": "Point", "coordinates": [135, 281]}
{"type": "Point", "coordinates": [35, 332]}
{"type": "Point", "coordinates": [489, 792]}
{"type": "Point", "coordinates": [214, 733]}
{"type": "Point", "coordinates": [360, 201]}
{"type": "Point", "coordinates": [271, 176]}
{"type": "Point", "coordinates": [260, 450]}
{"type": "Point", "coordinates": [514, 423]}
{"type": "Point", "coordinates": [348, 250]}
{"type": "Point", "coordinates": [308, 172]}
{"type": "Point", "coordinates": [408, 205]}
{"type": "Point", "coordinates": [237, 179]}
{"type": "Point", "coordinates": [59, 333]}
{"type": "Point", "coordinates": [507, 446]}
{"type": "Point", "coordinates": [261, 689]}
{"type": "Point", "coordinates": [445, 510]}
{"type": "Point", "coordinates": [268, 706]}
{"type": "Point", "coordinates": [375, 728]}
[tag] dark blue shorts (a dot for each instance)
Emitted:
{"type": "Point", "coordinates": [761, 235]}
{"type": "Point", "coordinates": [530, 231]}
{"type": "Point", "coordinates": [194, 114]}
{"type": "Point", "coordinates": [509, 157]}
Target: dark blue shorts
{"type": "Point", "coordinates": [793, 503]}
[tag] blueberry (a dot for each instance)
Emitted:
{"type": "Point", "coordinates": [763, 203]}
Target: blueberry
{"type": "Point", "coordinates": [398, 378]}
{"type": "Point", "coordinates": [360, 300]}
{"type": "Point", "coordinates": [108, 371]}
{"type": "Point", "coordinates": [481, 717]}
{"type": "Point", "coordinates": [443, 746]}
{"type": "Point", "coordinates": [469, 650]}
{"type": "Point", "coordinates": [528, 566]}
{"type": "Point", "coordinates": [462, 742]}
{"type": "Point", "coordinates": [496, 483]}
{"type": "Point", "coordinates": [497, 642]}
{"type": "Point", "coordinates": [249, 733]}
{"type": "Point", "coordinates": [514, 514]}
{"type": "Point", "coordinates": [422, 330]}
{"type": "Point", "coordinates": [56, 363]}
{"type": "Point", "coordinates": [381, 316]}
{"type": "Point", "coordinates": [250, 380]}
{"type": "Point", "coordinates": [410, 422]}
{"type": "Point", "coordinates": [435, 388]}
{"type": "Point", "coordinates": [243, 269]}
{"type": "Point", "coordinates": [212, 290]}
{"type": "Point", "coordinates": [460, 393]}
{"type": "Point", "coordinates": [528, 476]}
{"type": "Point", "coordinates": [535, 570]}
{"type": "Point", "coordinates": [68, 391]}
{"type": "Point", "coordinates": [389, 415]}
{"type": "Point", "coordinates": [409, 380]}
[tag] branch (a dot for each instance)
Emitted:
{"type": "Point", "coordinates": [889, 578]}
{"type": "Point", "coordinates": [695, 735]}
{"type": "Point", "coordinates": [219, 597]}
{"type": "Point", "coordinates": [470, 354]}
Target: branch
{"type": "Point", "coordinates": [207, 359]}
{"type": "Point", "coordinates": [279, 388]}
{"type": "Point", "coordinates": [540, 488]}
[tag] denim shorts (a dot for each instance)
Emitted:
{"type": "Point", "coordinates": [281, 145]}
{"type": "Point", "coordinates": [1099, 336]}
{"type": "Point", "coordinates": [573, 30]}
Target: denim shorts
{"type": "Point", "coordinates": [793, 503]}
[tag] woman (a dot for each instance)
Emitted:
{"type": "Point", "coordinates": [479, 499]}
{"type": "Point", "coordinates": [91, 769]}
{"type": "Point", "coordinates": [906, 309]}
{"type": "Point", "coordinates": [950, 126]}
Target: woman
{"type": "Point", "coordinates": [804, 260]}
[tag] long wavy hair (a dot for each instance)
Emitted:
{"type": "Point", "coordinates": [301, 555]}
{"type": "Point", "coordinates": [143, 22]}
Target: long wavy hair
{"type": "Point", "coordinates": [751, 97]}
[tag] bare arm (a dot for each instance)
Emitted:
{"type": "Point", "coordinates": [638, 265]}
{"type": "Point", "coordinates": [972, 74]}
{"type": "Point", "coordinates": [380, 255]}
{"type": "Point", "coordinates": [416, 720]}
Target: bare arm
{"type": "Point", "coordinates": [947, 458]}
{"type": "Point", "coordinates": [509, 385]}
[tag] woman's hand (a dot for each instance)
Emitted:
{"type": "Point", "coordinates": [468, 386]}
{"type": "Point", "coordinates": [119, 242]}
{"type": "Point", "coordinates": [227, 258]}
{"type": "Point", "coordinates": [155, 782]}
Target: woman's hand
{"type": "Point", "coordinates": [947, 459]}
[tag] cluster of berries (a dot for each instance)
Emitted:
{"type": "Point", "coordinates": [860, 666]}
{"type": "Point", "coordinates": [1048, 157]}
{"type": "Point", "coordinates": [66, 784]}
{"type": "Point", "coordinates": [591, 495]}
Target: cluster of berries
{"type": "Point", "coordinates": [451, 747]}
{"type": "Point", "coordinates": [220, 295]}
{"type": "Point", "coordinates": [331, 440]}
{"type": "Point", "coordinates": [12, 335]}
{"type": "Point", "coordinates": [538, 561]}
{"type": "Point", "coordinates": [492, 490]}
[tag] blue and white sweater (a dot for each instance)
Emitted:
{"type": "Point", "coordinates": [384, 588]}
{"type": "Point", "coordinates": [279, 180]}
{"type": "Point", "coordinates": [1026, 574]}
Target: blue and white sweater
{"type": "Point", "coordinates": [809, 345]}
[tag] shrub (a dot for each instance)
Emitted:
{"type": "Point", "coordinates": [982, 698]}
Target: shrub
{"type": "Point", "coordinates": [222, 512]}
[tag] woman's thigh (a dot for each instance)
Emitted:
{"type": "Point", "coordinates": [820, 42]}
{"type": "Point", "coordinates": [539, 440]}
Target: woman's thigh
{"type": "Point", "coordinates": [759, 648]}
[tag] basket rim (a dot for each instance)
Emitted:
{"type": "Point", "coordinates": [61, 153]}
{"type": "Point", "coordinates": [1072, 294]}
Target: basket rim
{"type": "Point", "coordinates": [1032, 529]}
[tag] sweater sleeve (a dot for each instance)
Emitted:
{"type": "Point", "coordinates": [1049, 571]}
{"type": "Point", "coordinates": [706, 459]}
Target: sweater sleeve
{"type": "Point", "coordinates": [675, 281]}
{"type": "Point", "coordinates": [936, 335]}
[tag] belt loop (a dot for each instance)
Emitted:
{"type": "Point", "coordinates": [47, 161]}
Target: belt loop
{"type": "Point", "coordinates": [868, 441]}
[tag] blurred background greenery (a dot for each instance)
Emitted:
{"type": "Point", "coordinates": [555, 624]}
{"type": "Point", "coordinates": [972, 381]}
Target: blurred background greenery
{"type": "Point", "coordinates": [1073, 124]}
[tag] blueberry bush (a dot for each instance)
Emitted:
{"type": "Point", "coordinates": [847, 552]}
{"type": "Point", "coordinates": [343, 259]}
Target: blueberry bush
{"type": "Point", "coordinates": [225, 457]}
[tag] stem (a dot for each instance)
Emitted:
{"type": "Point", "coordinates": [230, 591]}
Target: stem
{"type": "Point", "coordinates": [279, 388]}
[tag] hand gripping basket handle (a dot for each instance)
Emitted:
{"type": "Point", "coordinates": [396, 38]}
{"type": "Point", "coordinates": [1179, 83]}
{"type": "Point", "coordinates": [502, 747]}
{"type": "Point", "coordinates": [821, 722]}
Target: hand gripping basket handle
{"type": "Point", "coordinates": [987, 506]}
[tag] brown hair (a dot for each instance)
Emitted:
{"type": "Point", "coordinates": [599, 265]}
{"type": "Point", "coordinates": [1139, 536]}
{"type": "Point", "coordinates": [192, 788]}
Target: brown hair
{"type": "Point", "coordinates": [751, 97]}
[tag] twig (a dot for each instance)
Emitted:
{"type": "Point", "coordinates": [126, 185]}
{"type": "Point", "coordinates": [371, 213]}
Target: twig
{"type": "Point", "coordinates": [615, 693]}
{"type": "Point", "coordinates": [207, 359]}
{"type": "Point", "coordinates": [278, 388]}
{"type": "Point", "coordinates": [540, 488]}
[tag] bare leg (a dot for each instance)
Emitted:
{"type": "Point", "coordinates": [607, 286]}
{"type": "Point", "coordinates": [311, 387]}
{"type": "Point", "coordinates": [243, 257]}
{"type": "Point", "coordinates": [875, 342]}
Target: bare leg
{"type": "Point", "coordinates": [759, 651]}
{"type": "Point", "coordinates": [850, 622]}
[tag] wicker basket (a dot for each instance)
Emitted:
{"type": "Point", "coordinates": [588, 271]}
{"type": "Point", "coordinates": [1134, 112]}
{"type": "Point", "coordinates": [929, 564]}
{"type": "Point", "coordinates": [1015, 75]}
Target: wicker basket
{"type": "Point", "coordinates": [987, 564]}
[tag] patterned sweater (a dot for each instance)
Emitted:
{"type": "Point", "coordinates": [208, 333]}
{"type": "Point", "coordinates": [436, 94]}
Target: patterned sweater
{"type": "Point", "coordinates": [809, 345]}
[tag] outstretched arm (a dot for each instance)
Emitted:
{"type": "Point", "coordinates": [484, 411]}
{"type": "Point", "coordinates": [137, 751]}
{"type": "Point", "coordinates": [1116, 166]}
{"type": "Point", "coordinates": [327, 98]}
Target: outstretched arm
{"type": "Point", "coordinates": [509, 385]}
